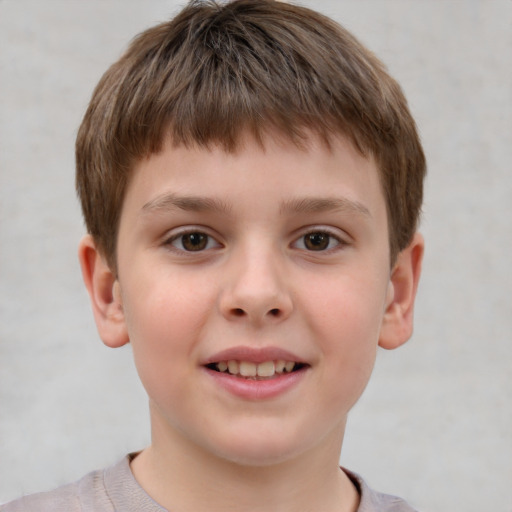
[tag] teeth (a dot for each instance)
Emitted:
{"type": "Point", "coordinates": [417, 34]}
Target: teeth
{"type": "Point", "coordinates": [233, 367]}
{"type": "Point", "coordinates": [266, 369]}
{"type": "Point", "coordinates": [280, 366]}
{"type": "Point", "coordinates": [248, 369]}
{"type": "Point", "coordinates": [289, 366]}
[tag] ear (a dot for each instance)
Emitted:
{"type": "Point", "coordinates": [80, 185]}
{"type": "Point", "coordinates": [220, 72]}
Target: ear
{"type": "Point", "coordinates": [105, 294]}
{"type": "Point", "coordinates": [397, 324]}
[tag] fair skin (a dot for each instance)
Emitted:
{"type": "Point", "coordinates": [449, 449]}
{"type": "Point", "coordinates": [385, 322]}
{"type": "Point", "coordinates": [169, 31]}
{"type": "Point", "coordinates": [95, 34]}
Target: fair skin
{"type": "Point", "coordinates": [252, 259]}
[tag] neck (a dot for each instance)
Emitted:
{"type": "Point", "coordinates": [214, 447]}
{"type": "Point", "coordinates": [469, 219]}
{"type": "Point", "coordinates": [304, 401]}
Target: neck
{"type": "Point", "coordinates": [181, 477]}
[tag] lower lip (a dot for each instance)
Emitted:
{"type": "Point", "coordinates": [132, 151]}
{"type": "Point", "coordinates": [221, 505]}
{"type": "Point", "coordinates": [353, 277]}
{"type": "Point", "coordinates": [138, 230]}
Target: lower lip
{"type": "Point", "coordinates": [252, 389]}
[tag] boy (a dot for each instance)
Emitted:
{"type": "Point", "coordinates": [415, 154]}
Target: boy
{"type": "Point", "coordinates": [251, 181]}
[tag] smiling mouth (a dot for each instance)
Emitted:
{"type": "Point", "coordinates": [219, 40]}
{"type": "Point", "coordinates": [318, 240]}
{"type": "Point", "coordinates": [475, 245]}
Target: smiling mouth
{"type": "Point", "coordinates": [256, 371]}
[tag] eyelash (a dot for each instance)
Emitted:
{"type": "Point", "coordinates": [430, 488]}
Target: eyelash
{"type": "Point", "coordinates": [177, 241]}
{"type": "Point", "coordinates": [181, 236]}
{"type": "Point", "coordinates": [329, 238]}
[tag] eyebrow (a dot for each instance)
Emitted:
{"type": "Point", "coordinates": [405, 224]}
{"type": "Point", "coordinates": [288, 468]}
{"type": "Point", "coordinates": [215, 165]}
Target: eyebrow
{"type": "Point", "coordinates": [299, 205]}
{"type": "Point", "coordinates": [319, 205]}
{"type": "Point", "coordinates": [186, 203]}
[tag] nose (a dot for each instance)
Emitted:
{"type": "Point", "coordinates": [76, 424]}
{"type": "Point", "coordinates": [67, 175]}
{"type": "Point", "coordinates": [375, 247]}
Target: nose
{"type": "Point", "coordinates": [256, 289]}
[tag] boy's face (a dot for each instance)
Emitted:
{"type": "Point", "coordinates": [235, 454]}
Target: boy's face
{"type": "Point", "coordinates": [250, 260]}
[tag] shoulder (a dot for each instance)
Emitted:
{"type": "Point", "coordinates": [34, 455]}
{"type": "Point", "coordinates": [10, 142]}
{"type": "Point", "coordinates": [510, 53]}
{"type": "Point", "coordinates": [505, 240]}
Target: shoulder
{"type": "Point", "coordinates": [373, 501]}
{"type": "Point", "coordinates": [107, 490]}
{"type": "Point", "coordinates": [61, 499]}
{"type": "Point", "coordinates": [86, 495]}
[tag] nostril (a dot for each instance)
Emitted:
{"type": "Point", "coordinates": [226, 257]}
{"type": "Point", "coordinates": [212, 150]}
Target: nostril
{"type": "Point", "coordinates": [238, 312]}
{"type": "Point", "coordinates": [274, 312]}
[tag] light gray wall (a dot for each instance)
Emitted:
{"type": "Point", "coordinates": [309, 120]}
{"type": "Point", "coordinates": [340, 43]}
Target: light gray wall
{"type": "Point", "coordinates": [435, 423]}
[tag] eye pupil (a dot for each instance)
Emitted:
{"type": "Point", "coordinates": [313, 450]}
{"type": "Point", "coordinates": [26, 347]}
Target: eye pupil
{"type": "Point", "coordinates": [194, 241]}
{"type": "Point", "coordinates": [316, 241]}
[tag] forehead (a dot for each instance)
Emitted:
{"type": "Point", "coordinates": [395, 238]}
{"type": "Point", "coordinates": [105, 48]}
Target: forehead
{"type": "Point", "coordinates": [333, 173]}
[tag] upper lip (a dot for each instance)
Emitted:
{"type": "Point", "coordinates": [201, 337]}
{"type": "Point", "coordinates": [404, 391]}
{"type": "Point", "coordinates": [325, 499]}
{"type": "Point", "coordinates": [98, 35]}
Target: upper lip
{"type": "Point", "coordinates": [253, 355]}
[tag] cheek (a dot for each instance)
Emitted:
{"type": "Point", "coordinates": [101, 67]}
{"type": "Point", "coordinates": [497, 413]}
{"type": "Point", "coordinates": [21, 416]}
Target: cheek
{"type": "Point", "coordinates": [346, 318]}
{"type": "Point", "coordinates": [165, 323]}
{"type": "Point", "coordinates": [164, 307]}
{"type": "Point", "coordinates": [349, 310]}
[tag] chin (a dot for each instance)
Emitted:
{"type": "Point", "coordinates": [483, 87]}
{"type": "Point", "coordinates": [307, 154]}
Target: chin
{"type": "Point", "coordinates": [261, 459]}
{"type": "Point", "coordinates": [261, 450]}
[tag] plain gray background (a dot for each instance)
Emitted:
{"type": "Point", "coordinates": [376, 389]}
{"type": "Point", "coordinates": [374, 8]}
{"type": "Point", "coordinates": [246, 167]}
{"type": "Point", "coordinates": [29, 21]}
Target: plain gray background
{"type": "Point", "coordinates": [435, 422]}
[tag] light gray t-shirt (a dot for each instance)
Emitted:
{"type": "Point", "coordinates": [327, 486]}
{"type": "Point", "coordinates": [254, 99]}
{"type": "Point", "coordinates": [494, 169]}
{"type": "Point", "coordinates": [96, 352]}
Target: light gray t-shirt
{"type": "Point", "coordinates": [115, 490]}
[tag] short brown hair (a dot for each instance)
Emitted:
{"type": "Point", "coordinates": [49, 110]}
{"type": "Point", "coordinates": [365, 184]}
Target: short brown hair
{"type": "Point", "coordinates": [218, 70]}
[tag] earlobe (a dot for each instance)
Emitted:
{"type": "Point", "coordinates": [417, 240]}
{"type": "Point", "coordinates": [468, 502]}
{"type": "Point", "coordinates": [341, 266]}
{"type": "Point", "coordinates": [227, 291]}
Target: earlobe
{"type": "Point", "coordinates": [397, 324]}
{"type": "Point", "coordinates": [105, 294]}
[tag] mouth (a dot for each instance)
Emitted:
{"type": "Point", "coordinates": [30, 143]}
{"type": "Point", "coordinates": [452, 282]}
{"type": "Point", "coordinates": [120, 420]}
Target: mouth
{"type": "Point", "coordinates": [265, 370]}
{"type": "Point", "coordinates": [256, 374]}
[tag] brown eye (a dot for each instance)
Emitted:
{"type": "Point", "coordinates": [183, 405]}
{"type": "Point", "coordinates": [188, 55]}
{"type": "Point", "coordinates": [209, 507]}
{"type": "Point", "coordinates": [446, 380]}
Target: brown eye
{"type": "Point", "coordinates": [317, 241]}
{"type": "Point", "coordinates": [193, 241]}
